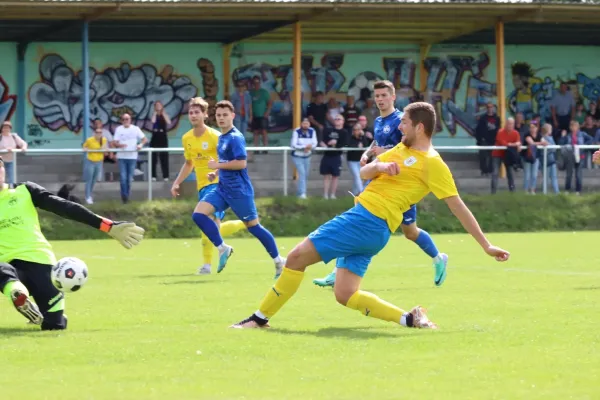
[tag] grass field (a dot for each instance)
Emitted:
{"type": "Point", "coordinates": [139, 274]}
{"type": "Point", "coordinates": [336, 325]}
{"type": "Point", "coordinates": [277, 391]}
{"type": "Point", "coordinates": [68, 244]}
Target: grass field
{"type": "Point", "coordinates": [145, 327]}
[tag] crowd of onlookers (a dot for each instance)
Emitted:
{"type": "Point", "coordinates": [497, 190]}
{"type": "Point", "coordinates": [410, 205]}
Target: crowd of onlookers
{"type": "Point", "coordinates": [331, 125]}
{"type": "Point", "coordinates": [571, 124]}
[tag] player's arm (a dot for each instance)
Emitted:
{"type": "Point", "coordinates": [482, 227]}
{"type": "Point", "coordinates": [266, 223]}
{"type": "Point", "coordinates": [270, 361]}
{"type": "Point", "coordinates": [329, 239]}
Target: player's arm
{"type": "Point", "coordinates": [233, 165]}
{"type": "Point", "coordinates": [184, 172]}
{"type": "Point", "coordinates": [377, 167]}
{"type": "Point", "coordinates": [441, 183]}
{"type": "Point", "coordinates": [127, 233]}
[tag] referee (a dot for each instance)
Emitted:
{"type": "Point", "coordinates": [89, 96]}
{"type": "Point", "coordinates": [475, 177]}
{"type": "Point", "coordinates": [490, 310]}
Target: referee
{"type": "Point", "coordinates": [26, 257]}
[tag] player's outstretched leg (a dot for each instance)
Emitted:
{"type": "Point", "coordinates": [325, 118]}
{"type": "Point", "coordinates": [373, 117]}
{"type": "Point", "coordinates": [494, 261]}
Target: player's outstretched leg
{"type": "Point", "coordinates": [268, 241]}
{"type": "Point", "coordinates": [302, 256]}
{"type": "Point", "coordinates": [424, 241]}
{"type": "Point", "coordinates": [211, 230]}
{"type": "Point", "coordinates": [13, 288]}
{"type": "Point", "coordinates": [347, 292]}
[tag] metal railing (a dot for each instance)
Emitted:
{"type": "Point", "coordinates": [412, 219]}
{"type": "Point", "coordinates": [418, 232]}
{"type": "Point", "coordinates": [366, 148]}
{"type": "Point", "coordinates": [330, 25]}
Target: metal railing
{"type": "Point", "coordinates": [286, 150]}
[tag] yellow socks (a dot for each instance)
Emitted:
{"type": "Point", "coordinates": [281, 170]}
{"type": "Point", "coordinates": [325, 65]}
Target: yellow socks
{"type": "Point", "coordinates": [227, 229]}
{"type": "Point", "coordinates": [231, 227]}
{"type": "Point", "coordinates": [281, 292]}
{"type": "Point", "coordinates": [372, 306]}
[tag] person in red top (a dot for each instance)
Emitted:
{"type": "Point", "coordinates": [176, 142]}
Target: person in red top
{"type": "Point", "coordinates": [509, 137]}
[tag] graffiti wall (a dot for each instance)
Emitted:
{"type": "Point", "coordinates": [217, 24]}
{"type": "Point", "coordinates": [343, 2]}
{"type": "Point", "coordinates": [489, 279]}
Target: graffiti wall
{"type": "Point", "coordinates": [8, 81]}
{"type": "Point", "coordinates": [123, 79]}
{"type": "Point", "coordinates": [459, 81]}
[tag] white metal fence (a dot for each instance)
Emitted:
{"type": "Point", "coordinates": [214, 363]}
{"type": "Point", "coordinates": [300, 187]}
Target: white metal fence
{"type": "Point", "coordinates": [285, 152]}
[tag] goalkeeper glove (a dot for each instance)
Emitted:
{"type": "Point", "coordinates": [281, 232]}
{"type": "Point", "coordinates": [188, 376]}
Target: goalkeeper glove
{"type": "Point", "coordinates": [126, 233]}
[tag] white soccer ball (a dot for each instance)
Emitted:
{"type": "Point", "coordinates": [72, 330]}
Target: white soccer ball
{"type": "Point", "coordinates": [69, 274]}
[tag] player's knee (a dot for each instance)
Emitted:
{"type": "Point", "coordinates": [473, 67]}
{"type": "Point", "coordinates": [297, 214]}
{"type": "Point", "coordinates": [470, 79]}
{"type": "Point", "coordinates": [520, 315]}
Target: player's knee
{"type": "Point", "coordinates": [250, 224]}
{"type": "Point", "coordinates": [204, 208]}
{"type": "Point", "coordinates": [411, 232]}
{"type": "Point", "coordinates": [342, 294]}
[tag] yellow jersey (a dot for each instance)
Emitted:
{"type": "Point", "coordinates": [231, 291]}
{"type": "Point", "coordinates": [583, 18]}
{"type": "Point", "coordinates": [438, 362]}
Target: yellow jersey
{"type": "Point", "coordinates": [421, 172]}
{"type": "Point", "coordinates": [199, 150]}
{"type": "Point", "coordinates": [94, 144]}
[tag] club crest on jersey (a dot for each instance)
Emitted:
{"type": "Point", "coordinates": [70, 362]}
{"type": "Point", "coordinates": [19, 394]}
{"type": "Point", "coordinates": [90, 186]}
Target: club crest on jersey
{"type": "Point", "coordinates": [204, 145]}
{"type": "Point", "coordinates": [410, 161]}
{"type": "Point", "coordinates": [13, 201]}
{"type": "Point", "coordinates": [386, 129]}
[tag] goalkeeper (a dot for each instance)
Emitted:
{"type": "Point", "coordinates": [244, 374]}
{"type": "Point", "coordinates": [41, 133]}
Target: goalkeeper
{"type": "Point", "coordinates": [26, 257]}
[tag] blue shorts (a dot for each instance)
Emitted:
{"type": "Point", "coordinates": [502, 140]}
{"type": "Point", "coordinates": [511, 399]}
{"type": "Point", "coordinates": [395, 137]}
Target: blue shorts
{"type": "Point", "coordinates": [410, 215]}
{"type": "Point", "coordinates": [243, 207]}
{"type": "Point", "coordinates": [204, 192]}
{"type": "Point", "coordinates": [353, 237]}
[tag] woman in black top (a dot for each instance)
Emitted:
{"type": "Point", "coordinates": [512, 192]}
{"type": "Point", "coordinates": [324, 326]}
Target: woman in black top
{"type": "Point", "coordinates": [356, 140]}
{"type": "Point", "coordinates": [531, 141]}
{"type": "Point", "coordinates": [160, 122]}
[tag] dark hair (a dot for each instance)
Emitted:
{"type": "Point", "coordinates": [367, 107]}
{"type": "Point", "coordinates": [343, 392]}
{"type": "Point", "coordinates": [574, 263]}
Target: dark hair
{"type": "Point", "coordinates": [225, 104]}
{"type": "Point", "coordinates": [385, 85]}
{"type": "Point", "coordinates": [422, 113]}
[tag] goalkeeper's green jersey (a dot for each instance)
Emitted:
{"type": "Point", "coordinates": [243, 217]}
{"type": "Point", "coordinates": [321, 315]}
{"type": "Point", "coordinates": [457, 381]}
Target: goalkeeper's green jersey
{"type": "Point", "coordinates": [21, 237]}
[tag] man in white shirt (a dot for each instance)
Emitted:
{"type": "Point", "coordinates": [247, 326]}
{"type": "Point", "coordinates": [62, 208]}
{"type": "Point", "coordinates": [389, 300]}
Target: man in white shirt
{"type": "Point", "coordinates": [131, 138]}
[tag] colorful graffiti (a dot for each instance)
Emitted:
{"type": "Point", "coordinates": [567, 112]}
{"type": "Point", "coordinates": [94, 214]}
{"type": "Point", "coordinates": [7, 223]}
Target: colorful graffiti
{"type": "Point", "coordinates": [448, 79]}
{"type": "Point", "coordinates": [532, 94]}
{"type": "Point", "coordinates": [8, 102]}
{"type": "Point", "coordinates": [57, 97]}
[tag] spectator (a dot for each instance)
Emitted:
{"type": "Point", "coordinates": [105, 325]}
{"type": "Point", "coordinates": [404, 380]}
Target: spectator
{"type": "Point", "coordinates": [371, 112]}
{"type": "Point", "coordinates": [92, 166]}
{"type": "Point", "coordinates": [242, 103]}
{"type": "Point", "coordinates": [573, 157]}
{"type": "Point", "coordinates": [588, 125]}
{"type": "Point", "coordinates": [368, 130]}
{"type": "Point", "coordinates": [261, 109]}
{"type": "Point", "coordinates": [532, 140]}
{"type": "Point", "coordinates": [520, 125]}
{"type": "Point", "coordinates": [109, 158]}
{"type": "Point", "coordinates": [552, 170]}
{"type": "Point", "coordinates": [317, 113]}
{"type": "Point", "coordinates": [304, 140]}
{"type": "Point", "coordinates": [132, 139]}
{"type": "Point", "coordinates": [580, 113]}
{"type": "Point", "coordinates": [563, 107]}
{"type": "Point", "coordinates": [594, 111]}
{"type": "Point", "coordinates": [356, 140]}
{"type": "Point", "coordinates": [10, 141]}
{"type": "Point", "coordinates": [351, 113]}
{"type": "Point", "coordinates": [485, 135]}
{"type": "Point", "coordinates": [509, 137]}
{"type": "Point", "coordinates": [333, 110]}
{"type": "Point", "coordinates": [331, 163]}
{"type": "Point", "coordinates": [160, 140]}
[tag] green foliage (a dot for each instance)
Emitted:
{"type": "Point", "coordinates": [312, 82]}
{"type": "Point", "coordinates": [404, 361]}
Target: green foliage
{"type": "Point", "coordinates": [286, 216]}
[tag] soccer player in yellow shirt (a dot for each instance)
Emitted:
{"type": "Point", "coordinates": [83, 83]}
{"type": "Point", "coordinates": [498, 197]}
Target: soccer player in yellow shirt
{"type": "Point", "coordinates": [200, 145]}
{"type": "Point", "coordinates": [400, 177]}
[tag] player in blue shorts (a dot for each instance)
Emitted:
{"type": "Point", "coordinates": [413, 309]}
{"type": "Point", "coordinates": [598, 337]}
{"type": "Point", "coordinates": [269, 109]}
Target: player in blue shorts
{"type": "Point", "coordinates": [200, 146]}
{"type": "Point", "coordinates": [234, 191]}
{"type": "Point", "coordinates": [387, 135]}
{"type": "Point", "coordinates": [400, 177]}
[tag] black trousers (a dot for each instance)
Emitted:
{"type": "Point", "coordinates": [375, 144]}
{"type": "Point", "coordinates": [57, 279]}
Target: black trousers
{"type": "Point", "coordinates": [164, 162]}
{"type": "Point", "coordinates": [36, 278]}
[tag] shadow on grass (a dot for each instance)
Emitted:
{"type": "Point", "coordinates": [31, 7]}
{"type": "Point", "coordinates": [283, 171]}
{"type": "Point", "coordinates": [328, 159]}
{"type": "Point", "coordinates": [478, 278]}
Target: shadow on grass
{"type": "Point", "coordinates": [337, 332]}
{"type": "Point", "coordinates": [165, 276]}
{"type": "Point", "coordinates": [588, 288]}
{"type": "Point", "coordinates": [188, 282]}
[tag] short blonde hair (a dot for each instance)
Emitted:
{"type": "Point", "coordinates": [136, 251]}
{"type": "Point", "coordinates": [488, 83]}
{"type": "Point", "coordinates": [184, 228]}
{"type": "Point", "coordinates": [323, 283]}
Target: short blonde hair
{"type": "Point", "coordinates": [546, 129]}
{"type": "Point", "coordinates": [199, 102]}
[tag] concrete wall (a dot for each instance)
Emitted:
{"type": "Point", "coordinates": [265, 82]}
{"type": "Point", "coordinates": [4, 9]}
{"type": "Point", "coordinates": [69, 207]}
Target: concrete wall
{"type": "Point", "coordinates": [131, 76]}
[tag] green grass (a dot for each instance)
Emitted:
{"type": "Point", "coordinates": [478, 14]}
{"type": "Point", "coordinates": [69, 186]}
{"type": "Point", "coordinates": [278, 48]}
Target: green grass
{"type": "Point", "coordinates": [145, 328]}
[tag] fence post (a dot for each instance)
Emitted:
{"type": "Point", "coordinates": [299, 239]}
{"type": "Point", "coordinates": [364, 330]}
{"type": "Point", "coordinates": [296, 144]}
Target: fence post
{"type": "Point", "coordinates": [15, 167]}
{"type": "Point", "coordinates": [545, 171]}
{"type": "Point", "coordinates": [285, 171]}
{"type": "Point", "coordinates": [149, 152]}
